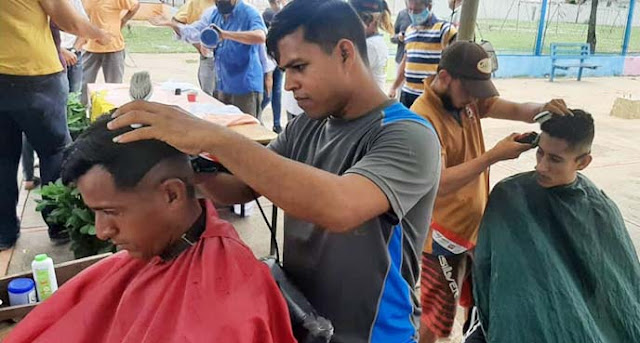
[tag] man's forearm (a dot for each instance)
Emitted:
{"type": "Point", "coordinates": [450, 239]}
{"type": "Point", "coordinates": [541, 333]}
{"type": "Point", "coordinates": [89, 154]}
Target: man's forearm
{"type": "Point", "coordinates": [302, 191]}
{"type": "Point", "coordinates": [129, 15]}
{"type": "Point", "coordinates": [454, 178]}
{"type": "Point", "coordinates": [505, 109]}
{"type": "Point", "coordinates": [225, 189]}
{"type": "Point", "coordinates": [246, 37]}
{"type": "Point", "coordinates": [69, 20]}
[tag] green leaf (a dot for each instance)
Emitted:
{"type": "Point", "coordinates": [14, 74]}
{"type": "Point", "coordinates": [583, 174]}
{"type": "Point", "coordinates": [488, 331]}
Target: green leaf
{"type": "Point", "coordinates": [84, 214]}
{"type": "Point", "coordinates": [92, 230]}
{"type": "Point", "coordinates": [85, 229]}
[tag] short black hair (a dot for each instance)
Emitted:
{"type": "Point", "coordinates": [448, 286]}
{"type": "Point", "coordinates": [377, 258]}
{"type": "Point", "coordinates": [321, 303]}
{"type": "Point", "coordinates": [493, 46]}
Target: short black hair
{"type": "Point", "coordinates": [577, 130]}
{"type": "Point", "coordinates": [127, 163]}
{"type": "Point", "coordinates": [325, 22]}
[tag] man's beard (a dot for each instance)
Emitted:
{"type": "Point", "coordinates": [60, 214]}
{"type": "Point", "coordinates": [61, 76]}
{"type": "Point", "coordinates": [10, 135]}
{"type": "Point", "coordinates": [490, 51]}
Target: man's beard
{"type": "Point", "coordinates": [447, 103]}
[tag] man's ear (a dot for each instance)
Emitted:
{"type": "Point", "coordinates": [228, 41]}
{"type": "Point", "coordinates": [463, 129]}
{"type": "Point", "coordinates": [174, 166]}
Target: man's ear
{"type": "Point", "coordinates": [584, 161]}
{"type": "Point", "coordinates": [347, 52]}
{"type": "Point", "coordinates": [444, 77]}
{"type": "Point", "coordinates": [175, 192]}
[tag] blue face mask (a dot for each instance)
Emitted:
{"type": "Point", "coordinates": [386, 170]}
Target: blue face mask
{"type": "Point", "coordinates": [419, 18]}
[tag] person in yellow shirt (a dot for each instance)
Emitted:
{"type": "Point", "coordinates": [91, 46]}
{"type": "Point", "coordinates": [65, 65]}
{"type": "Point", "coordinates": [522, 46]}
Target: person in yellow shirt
{"type": "Point", "coordinates": [106, 14]}
{"type": "Point", "coordinates": [33, 97]}
{"type": "Point", "coordinates": [189, 13]}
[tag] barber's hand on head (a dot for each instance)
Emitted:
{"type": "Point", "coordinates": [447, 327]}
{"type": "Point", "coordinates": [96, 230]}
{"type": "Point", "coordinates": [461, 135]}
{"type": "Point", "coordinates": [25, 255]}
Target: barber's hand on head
{"type": "Point", "coordinates": [508, 148]}
{"type": "Point", "coordinates": [169, 124]}
{"type": "Point", "coordinates": [557, 106]}
{"type": "Point", "coordinates": [69, 57]}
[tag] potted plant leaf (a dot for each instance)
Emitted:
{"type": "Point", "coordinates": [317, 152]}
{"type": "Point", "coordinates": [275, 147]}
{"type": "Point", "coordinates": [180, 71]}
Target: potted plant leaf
{"type": "Point", "coordinates": [70, 211]}
{"type": "Point", "coordinates": [77, 120]}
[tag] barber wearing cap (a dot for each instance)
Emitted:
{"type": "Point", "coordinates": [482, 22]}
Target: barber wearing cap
{"type": "Point", "coordinates": [454, 100]}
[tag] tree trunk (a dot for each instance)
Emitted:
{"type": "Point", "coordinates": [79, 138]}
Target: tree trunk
{"type": "Point", "coordinates": [591, 34]}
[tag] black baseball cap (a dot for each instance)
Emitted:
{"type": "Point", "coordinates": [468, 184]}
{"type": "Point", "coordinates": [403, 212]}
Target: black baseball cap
{"type": "Point", "coordinates": [469, 62]}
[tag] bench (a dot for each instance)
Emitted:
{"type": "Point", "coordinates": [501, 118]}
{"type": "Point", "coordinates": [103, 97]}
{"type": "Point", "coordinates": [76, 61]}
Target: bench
{"type": "Point", "coordinates": [570, 55]}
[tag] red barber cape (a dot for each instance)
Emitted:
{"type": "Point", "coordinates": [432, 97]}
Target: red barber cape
{"type": "Point", "coordinates": [215, 291]}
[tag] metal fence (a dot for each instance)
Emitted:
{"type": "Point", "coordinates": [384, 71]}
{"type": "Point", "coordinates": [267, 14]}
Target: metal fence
{"type": "Point", "coordinates": [512, 25]}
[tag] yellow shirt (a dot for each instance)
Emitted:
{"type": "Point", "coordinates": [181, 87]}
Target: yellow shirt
{"type": "Point", "coordinates": [192, 11]}
{"type": "Point", "coordinates": [457, 215]}
{"type": "Point", "coordinates": [106, 14]}
{"type": "Point", "coordinates": [27, 45]}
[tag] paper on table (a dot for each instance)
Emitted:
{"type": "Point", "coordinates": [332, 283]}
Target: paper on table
{"type": "Point", "coordinates": [172, 85]}
{"type": "Point", "coordinates": [202, 109]}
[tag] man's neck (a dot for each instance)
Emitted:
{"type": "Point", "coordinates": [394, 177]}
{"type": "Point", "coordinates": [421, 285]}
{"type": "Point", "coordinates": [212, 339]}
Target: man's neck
{"type": "Point", "coordinates": [192, 214]}
{"type": "Point", "coordinates": [187, 232]}
{"type": "Point", "coordinates": [364, 99]}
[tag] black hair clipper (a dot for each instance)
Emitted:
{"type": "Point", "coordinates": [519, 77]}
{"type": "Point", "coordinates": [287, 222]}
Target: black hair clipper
{"type": "Point", "coordinates": [205, 165]}
{"type": "Point", "coordinates": [528, 138]}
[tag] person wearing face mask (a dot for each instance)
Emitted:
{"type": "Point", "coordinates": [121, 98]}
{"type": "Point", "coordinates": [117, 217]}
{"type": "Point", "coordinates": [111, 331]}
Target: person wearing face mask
{"type": "Point", "coordinates": [375, 15]}
{"type": "Point", "coordinates": [454, 100]}
{"type": "Point", "coordinates": [424, 41]}
{"type": "Point", "coordinates": [238, 70]}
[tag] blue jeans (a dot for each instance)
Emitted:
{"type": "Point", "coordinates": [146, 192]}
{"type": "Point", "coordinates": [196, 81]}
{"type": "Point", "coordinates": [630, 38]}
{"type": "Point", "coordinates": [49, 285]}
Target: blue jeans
{"type": "Point", "coordinates": [74, 75]}
{"type": "Point", "coordinates": [207, 74]}
{"type": "Point", "coordinates": [275, 97]}
{"type": "Point", "coordinates": [35, 105]}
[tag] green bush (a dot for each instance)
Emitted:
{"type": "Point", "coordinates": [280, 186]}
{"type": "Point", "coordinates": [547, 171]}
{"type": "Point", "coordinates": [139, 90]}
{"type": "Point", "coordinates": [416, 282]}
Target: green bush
{"type": "Point", "coordinates": [70, 211]}
{"type": "Point", "coordinates": [77, 120]}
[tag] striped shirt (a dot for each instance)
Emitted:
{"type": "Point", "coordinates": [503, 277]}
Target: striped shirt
{"type": "Point", "coordinates": [423, 47]}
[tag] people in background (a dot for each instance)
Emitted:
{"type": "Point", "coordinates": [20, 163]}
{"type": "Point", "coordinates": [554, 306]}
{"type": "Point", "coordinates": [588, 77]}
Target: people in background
{"type": "Point", "coordinates": [33, 98]}
{"type": "Point", "coordinates": [190, 13]}
{"type": "Point", "coordinates": [375, 15]}
{"type": "Point", "coordinates": [274, 95]}
{"type": "Point", "coordinates": [108, 15]}
{"type": "Point", "coordinates": [402, 23]}
{"type": "Point", "coordinates": [424, 41]}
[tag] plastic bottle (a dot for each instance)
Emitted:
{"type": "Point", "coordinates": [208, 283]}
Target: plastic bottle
{"type": "Point", "coordinates": [21, 292]}
{"type": "Point", "coordinates": [44, 275]}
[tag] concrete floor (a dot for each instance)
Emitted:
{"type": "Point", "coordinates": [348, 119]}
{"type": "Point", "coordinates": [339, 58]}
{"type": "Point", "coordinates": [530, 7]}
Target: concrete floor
{"type": "Point", "coordinates": [616, 151]}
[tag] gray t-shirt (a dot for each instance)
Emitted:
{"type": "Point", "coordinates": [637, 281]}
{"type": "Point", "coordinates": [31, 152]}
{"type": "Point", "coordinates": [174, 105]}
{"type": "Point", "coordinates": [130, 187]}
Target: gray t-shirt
{"type": "Point", "coordinates": [363, 280]}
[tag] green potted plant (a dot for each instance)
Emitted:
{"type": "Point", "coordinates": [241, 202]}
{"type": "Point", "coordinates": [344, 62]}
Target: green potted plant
{"type": "Point", "coordinates": [77, 120]}
{"type": "Point", "coordinates": [70, 211]}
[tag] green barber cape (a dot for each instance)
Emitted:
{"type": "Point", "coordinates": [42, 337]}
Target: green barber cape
{"type": "Point", "coordinates": [555, 266]}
